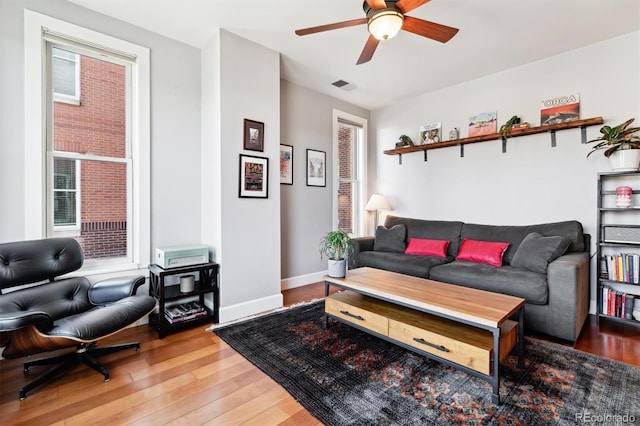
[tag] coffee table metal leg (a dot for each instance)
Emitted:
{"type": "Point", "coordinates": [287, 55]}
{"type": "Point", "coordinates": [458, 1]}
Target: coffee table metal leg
{"type": "Point", "coordinates": [495, 381]}
{"type": "Point", "coordinates": [521, 337]}
{"type": "Point", "coordinates": [325, 318]}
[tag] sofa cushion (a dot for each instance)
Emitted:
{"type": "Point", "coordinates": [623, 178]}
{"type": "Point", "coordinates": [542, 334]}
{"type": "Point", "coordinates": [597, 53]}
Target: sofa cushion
{"type": "Point", "coordinates": [508, 234]}
{"type": "Point", "coordinates": [570, 230]}
{"type": "Point", "coordinates": [390, 239]}
{"type": "Point", "coordinates": [529, 285]}
{"type": "Point", "coordinates": [417, 266]}
{"type": "Point", "coordinates": [427, 247]}
{"type": "Point", "coordinates": [489, 252]}
{"type": "Point", "coordinates": [536, 251]}
{"type": "Point", "coordinates": [431, 229]}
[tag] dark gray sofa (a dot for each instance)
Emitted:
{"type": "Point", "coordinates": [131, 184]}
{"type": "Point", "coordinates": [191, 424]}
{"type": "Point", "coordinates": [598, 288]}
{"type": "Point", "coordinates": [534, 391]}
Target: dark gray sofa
{"type": "Point", "coordinates": [556, 294]}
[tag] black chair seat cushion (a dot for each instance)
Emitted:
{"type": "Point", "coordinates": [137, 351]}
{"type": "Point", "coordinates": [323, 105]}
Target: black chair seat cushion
{"type": "Point", "coordinates": [54, 300]}
{"type": "Point", "coordinates": [102, 321]}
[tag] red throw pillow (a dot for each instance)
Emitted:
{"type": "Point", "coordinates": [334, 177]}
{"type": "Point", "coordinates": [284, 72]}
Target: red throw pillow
{"type": "Point", "coordinates": [489, 252]}
{"type": "Point", "coordinates": [425, 247]}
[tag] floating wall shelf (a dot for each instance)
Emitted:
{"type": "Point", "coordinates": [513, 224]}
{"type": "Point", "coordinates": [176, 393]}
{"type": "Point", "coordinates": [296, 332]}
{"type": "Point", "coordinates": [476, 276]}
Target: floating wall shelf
{"type": "Point", "coordinates": [583, 124]}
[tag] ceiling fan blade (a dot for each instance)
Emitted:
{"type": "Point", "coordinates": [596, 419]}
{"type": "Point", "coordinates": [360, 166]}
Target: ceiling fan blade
{"type": "Point", "coordinates": [369, 48]}
{"type": "Point", "coordinates": [377, 4]}
{"type": "Point", "coordinates": [408, 5]}
{"type": "Point", "coordinates": [428, 29]}
{"type": "Point", "coordinates": [335, 26]}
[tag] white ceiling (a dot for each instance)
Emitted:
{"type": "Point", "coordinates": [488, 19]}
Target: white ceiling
{"type": "Point", "coordinates": [494, 35]}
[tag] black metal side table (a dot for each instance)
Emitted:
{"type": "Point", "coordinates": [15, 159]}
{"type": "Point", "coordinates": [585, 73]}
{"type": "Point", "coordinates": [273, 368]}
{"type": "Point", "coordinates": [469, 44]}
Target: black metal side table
{"type": "Point", "coordinates": [206, 283]}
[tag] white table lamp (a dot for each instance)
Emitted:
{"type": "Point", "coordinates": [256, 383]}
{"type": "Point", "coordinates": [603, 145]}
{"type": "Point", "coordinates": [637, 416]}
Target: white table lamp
{"type": "Point", "coordinates": [376, 203]}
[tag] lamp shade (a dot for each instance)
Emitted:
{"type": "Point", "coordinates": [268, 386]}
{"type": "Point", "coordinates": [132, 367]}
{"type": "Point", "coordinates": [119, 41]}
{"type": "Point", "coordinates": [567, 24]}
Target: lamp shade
{"type": "Point", "coordinates": [377, 202]}
{"type": "Point", "coordinates": [385, 24]}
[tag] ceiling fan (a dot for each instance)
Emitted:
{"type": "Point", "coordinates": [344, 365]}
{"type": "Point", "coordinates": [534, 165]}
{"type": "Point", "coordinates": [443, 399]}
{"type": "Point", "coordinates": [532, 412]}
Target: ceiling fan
{"type": "Point", "coordinates": [384, 20]}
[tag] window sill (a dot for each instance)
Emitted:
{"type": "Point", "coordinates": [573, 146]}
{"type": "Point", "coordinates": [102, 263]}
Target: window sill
{"type": "Point", "coordinates": [108, 271]}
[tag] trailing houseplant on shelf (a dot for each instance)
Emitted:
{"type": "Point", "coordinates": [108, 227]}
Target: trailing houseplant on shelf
{"type": "Point", "coordinates": [337, 247]}
{"type": "Point", "coordinates": [620, 144]}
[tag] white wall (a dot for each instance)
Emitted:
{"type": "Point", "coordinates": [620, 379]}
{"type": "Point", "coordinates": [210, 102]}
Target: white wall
{"type": "Point", "coordinates": [241, 80]}
{"type": "Point", "coordinates": [306, 212]}
{"type": "Point", "coordinates": [175, 121]}
{"type": "Point", "coordinates": [532, 182]}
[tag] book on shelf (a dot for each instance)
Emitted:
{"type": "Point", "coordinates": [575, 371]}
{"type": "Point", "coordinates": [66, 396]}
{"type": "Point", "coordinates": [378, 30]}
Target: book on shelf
{"type": "Point", "coordinates": [623, 267]}
{"type": "Point", "coordinates": [186, 317]}
{"type": "Point", "coordinates": [184, 310]}
{"type": "Point", "coordinates": [619, 304]}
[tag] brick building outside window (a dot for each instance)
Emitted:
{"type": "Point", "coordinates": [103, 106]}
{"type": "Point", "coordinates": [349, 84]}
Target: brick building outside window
{"type": "Point", "coordinates": [89, 199]}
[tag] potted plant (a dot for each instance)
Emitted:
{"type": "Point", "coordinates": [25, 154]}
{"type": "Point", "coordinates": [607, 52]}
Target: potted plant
{"type": "Point", "coordinates": [620, 145]}
{"type": "Point", "coordinates": [336, 245]}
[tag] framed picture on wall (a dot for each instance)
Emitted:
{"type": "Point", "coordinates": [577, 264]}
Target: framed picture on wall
{"type": "Point", "coordinates": [316, 168]}
{"type": "Point", "coordinates": [253, 135]}
{"type": "Point", "coordinates": [254, 177]}
{"type": "Point", "coordinates": [286, 164]}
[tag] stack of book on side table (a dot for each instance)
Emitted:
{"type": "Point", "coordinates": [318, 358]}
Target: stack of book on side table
{"type": "Point", "coordinates": [184, 312]}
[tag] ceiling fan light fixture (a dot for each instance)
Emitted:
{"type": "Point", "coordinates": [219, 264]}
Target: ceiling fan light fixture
{"type": "Point", "coordinates": [385, 23]}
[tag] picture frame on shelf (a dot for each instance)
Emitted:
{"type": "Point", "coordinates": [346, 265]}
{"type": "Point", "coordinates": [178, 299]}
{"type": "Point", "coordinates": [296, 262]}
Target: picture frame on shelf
{"type": "Point", "coordinates": [254, 177]}
{"type": "Point", "coordinates": [286, 164]}
{"type": "Point", "coordinates": [484, 123]}
{"type": "Point", "coordinates": [253, 135]}
{"type": "Point", "coordinates": [430, 133]}
{"type": "Point", "coordinates": [316, 168]}
{"type": "Point", "coordinates": [561, 109]}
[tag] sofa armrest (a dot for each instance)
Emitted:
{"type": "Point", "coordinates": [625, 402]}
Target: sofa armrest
{"type": "Point", "coordinates": [113, 289]}
{"type": "Point", "coordinates": [568, 280]}
{"type": "Point", "coordinates": [360, 244]}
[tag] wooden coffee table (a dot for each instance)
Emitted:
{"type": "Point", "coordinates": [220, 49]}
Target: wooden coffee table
{"type": "Point", "coordinates": [463, 327]}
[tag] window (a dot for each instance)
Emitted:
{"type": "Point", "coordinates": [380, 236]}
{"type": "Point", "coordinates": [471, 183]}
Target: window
{"type": "Point", "coordinates": [94, 135]}
{"type": "Point", "coordinates": [91, 167]}
{"type": "Point", "coordinates": [349, 172]}
{"type": "Point", "coordinates": [65, 80]}
{"type": "Point", "coordinates": [66, 197]}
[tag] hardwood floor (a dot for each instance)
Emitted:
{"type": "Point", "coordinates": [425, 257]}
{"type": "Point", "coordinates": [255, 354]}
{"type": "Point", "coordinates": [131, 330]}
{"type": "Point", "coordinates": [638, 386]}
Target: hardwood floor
{"type": "Point", "coordinates": [192, 377]}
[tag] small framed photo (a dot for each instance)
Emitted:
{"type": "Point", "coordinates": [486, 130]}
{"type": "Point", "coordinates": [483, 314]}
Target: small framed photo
{"type": "Point", "coordinates": [316, 168]}
{"type": "Point", "coordinates": [253, 135]}
{"type": "Point", "coordinates": [430, 133]}
{"type": "Point", "coordinates": [286, 164]}
{"type": "Point", "coordinates": [254, 177]}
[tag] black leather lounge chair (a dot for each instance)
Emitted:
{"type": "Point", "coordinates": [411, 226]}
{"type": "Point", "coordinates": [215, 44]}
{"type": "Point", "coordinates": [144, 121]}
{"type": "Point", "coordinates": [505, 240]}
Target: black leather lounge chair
{"type": "Point", "coordinates": [47, 314]}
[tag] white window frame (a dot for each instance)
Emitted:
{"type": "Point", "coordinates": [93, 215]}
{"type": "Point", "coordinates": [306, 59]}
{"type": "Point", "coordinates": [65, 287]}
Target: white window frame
{"type": "Point", "coordinates": [359, 192]}
{"type": "Point", "coordinates": [35, 25]}
{"type": "Point", "coordinates": [70, 99]}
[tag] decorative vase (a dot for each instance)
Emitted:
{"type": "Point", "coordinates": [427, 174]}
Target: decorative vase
{"type": "Point", "coordinates": [624, 160]}
{"type": "Point", "coordinates": [337, 268]}
{"type": "Point", "coordinates": [623, 196]}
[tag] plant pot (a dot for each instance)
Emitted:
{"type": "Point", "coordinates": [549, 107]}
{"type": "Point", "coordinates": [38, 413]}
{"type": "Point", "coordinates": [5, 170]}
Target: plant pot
{"type": "Point", "coordinates": [625, 160]}
{"type": "Point", "coordinates": [337, 268]}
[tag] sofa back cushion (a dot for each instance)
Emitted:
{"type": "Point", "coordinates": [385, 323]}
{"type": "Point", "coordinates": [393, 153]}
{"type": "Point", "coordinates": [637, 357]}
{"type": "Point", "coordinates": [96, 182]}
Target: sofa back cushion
{"type": "Point", "coordinates": [430, 229]}
{"type": "Point", "coordinates": [570, 230]}
{"type": "Point", "coordinates": [507, 234]}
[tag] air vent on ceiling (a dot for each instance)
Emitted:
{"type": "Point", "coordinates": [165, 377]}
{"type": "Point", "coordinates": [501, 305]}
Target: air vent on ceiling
{"type": "Point", "coordinates": [344, 85]}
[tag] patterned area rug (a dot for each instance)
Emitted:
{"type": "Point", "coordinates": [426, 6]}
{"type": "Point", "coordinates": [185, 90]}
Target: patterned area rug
{"type": "Point", "coordinates": [345, 377]}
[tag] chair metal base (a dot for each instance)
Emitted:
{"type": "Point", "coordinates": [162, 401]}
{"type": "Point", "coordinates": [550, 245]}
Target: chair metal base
{"type": "Point", "coordinates": [86, 354]}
